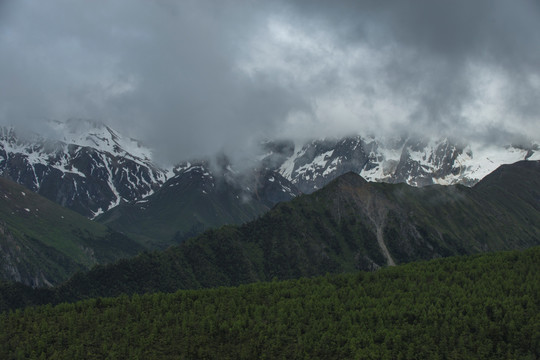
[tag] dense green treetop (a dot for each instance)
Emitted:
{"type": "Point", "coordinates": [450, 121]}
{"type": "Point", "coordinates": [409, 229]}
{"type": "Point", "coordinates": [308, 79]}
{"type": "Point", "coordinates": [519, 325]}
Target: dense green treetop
{"type": "Point", "coordinates": [473, 307]}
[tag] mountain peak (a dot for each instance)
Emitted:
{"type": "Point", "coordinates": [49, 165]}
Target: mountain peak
{"type": "Point", "coordinates": [518, 180]}
{"type": "Point", "coordinates": [351, 178]}
{"type": "Point", "coordinates": [85, 166]}
{"type": "Point", "coordinates": [525, 169]}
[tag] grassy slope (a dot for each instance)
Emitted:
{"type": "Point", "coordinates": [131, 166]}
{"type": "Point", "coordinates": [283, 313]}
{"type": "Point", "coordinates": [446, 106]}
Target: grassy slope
{"type": "Point", "coordinates": [61, 241]}
{"type": "Point", "coordinates": [52, 224]}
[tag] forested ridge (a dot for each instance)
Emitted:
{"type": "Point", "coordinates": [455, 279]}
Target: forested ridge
{"type": "Point", "coordinates": [481, 307]}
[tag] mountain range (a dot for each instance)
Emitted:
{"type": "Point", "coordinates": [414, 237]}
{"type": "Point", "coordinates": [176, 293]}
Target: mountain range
{"type": "Point", "coordinates": [349, 225]}
{"type": "Point", "coordinates": [94, 170]}
{"type": "Point", "coordinates": [195, 199]}
{"type": "Point", "coordinates": [411, 160]}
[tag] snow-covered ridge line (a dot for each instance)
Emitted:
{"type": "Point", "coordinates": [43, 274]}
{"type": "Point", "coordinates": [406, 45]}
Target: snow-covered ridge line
{"type": "Point", "coordinates": [91, 169]}
{"type": "Point", "coordinates": [86, 133]}
{"type": "Point", "coordinates": [418, 162]}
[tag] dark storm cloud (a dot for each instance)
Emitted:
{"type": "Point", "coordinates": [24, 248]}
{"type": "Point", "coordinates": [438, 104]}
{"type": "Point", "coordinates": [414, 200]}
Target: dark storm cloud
{"type": "Point", "coordinates": [195, 77]}
{"type": "Point", "coordinates": [438, 45]}
{"type": "Point", "coordinates": [162, 71]}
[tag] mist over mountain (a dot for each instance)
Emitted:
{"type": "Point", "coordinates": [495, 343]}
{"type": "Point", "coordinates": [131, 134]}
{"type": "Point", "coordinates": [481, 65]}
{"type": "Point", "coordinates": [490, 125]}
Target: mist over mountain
{"type": "Point", "coordinates": [91, 168]}
{"type": "Point", "coordinates": [196, 199]}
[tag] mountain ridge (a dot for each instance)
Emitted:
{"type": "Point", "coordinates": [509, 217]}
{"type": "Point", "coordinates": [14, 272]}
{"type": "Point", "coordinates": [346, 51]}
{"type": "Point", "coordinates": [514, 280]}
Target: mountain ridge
{"type": "Point", "coordinates": [194, 200]}
{"type": "Point", "coordinates": [415, 161]}
{"type": "Point", "coordinates": [92, 168]}
{"type": "Point", "coordinates": [88, 172]}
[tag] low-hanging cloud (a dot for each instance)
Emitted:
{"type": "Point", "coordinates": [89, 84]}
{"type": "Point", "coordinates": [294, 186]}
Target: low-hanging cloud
{"type": "Point", "coordinates": [192, 78]}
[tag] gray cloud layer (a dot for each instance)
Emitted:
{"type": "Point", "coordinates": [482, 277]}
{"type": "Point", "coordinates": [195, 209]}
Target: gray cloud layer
{"type": "Point", "coordinates": [194, 77]}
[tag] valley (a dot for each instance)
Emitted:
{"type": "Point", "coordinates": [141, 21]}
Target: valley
{"type": "Point", "coordinates": [269, 179]}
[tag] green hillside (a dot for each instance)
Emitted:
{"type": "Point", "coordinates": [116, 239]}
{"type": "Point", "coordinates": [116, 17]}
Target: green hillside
{"type": "Point", "coordinates": [473, 307]}
{"type": "Point", "coordinates": [43, 243]}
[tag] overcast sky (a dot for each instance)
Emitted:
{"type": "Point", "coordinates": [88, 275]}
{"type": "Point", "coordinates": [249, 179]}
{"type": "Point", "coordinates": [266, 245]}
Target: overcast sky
{"type": "Point", "coordinates": [193, 77]}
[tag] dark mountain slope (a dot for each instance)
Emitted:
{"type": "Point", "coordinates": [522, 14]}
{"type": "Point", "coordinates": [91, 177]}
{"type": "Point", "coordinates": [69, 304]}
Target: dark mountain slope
{"type": "Point", "coordinates": [195, 200]}
{"type": "Point", "coordinates": [348, 225]}
{"type": "Point", "coordinates": [518, 182]}
{"type": "Point", "coordinates": [43, 243]}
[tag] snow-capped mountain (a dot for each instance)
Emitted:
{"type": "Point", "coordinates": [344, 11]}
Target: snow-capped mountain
{"type": "Point", "coordinates": [261, 184]}
{"type": "Point", "coordinates": [418, 162]}
{"type": "Point", "coordinates": [91, 169]}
